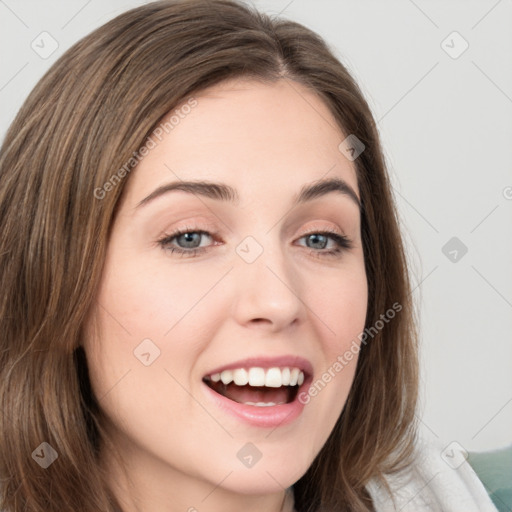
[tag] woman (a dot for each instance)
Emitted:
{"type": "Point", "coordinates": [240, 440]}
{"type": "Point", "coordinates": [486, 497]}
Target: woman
{"type": "Point", "coordinates": [205, 296]}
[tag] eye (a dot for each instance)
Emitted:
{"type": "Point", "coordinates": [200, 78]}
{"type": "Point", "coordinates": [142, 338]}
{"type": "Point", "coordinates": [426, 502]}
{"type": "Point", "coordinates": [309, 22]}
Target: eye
{"type": "Point", "coordinates": [319, 240]}
{"type": "Point", "coordinates": [188, 242]}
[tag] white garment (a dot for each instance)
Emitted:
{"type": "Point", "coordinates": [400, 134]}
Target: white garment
{"type": "Point", "coordinates": [439, 480]}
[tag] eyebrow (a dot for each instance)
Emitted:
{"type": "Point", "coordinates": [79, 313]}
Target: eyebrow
{"type": "Point", "coordinates": [224, 192]}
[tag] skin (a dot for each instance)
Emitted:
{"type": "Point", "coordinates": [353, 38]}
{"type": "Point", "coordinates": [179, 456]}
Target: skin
{"type": "Point", "coordinates": [178, 449]}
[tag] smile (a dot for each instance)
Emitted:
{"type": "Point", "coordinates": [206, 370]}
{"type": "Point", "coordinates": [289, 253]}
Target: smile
{"type": "Point", "coordinates": [257, 386]}
{"type": "Point", "coordinates": [262, 392]}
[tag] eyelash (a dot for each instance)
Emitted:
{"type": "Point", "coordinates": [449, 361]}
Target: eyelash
{"type": "Point", "coordinates": [343, 243]}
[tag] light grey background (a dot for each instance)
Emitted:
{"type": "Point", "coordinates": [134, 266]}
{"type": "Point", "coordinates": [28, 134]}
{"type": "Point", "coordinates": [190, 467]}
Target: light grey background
{"type": "Point", "coordinates": [447, 132]}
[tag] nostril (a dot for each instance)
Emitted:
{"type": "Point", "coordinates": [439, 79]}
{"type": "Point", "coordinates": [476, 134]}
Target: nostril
{"type": "Point", "coordinates": [260, 320]}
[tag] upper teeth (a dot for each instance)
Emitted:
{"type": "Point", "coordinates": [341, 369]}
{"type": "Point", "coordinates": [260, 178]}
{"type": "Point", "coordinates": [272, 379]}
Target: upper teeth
{"type": "Point", "coordinates": [272, 377]}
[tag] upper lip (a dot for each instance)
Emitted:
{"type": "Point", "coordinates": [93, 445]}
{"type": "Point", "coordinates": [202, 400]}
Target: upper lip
{"type": "Point", "coordinates": [266, 362]}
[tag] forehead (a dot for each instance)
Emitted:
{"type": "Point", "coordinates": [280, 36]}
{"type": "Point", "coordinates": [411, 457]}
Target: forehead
{"type": "Point", "coordinates": [259, 137]}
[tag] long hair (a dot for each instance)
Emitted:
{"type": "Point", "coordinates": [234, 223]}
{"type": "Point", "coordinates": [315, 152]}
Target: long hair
{"type": "Point", "coordinates": [88, 115]}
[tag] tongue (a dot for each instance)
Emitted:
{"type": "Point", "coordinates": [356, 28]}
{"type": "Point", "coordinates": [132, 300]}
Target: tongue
{"type": "Point", "coordinates": [244, 394]}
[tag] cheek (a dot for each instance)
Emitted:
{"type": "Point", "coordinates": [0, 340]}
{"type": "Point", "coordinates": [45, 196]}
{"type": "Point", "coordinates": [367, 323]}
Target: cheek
{"type": "Point", "coordinates": [154, 313]}
{"type": "Point", "coordinates": [339, 301]}
{"type": "Point", "coordinates": [149, 299]}
{"type": "Point", "coordinates": [340, 305]}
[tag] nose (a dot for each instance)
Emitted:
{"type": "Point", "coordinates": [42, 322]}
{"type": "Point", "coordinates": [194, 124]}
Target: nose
{"type": "Point", "coordinates": [268, 290]}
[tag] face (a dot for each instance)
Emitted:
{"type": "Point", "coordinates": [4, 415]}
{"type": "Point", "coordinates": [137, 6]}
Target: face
{"type": "Point", "coordinates": [214, 306]}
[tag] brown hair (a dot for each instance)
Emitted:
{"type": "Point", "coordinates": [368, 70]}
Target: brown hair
{"type": "Point", "coordinates": [83, 121]}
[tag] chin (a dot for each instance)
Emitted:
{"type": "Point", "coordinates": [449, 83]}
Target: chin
{"type": "Point", "coordinates": [266, 480]}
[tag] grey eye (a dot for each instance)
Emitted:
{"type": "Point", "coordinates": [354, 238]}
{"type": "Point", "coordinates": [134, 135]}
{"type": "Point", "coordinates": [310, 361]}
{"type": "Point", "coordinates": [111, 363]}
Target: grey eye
{"type": "Point", "coordinates": [319, 241]}
{"type": "Point", "coordinates": [189, 240]}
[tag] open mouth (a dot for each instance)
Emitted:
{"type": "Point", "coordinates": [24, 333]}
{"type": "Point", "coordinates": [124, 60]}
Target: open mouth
{"type": "Point", "coordinates": [257, 386]}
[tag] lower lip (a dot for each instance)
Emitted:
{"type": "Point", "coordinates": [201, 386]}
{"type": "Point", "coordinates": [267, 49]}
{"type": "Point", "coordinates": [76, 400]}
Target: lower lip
{"type": "Point", "coordinates": [267, 417]}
